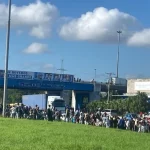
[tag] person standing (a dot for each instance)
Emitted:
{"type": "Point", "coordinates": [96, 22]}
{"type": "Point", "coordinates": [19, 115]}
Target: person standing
{"type": "Point", "coordinates": [132, 125]}
{"type": "Point", "coordinates": [49, 114]}
{"type": "Point", "coordinates": [115, 122]}
{"type": "Point", "coordinates": [67, 115]}
{"type": "Point", "coordinates": [13, 111]}
{"type": "Point", "coordinates": [121, 124]}
{"type": "Point", "coordinates": [17, 111]}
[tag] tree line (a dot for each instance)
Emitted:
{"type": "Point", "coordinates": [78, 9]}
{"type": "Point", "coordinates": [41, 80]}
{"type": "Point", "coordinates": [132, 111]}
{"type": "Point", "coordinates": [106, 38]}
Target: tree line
{"type": "Point", "coordinates": [133, 104]}
{"type": "Point", "coordinates": [15, 95]}
{"type": "Point", "coordinates": [136, 104]}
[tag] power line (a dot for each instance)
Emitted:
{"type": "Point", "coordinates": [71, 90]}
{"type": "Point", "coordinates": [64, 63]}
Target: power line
{"type": "Point", "coordinates": [62, 70]}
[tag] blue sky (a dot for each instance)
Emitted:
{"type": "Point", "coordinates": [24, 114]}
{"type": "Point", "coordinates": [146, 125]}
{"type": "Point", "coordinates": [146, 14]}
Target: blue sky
{"type": "Point", "coordinates": [82, 32]}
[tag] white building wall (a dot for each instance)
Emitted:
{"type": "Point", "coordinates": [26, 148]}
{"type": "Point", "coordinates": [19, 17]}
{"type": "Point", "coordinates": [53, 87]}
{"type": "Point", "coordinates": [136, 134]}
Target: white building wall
{"type": "Point", "coordinates": [135, 85]}
{"type": "Point", "coordinates": [73, 100]}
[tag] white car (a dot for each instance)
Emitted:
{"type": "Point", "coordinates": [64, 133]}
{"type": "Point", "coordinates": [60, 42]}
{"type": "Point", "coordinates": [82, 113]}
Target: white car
{"type": "Point", "coordinates": [109, 112]}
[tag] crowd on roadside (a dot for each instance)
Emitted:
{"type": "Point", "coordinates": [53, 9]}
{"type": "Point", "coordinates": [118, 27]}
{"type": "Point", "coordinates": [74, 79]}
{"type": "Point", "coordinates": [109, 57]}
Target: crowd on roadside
{"type": "Point", "coordinates": [104, 120]}
{"type": "Point", "coordinates": [79, 116]}
{"type": "Point", "coordinates": [19, 111]}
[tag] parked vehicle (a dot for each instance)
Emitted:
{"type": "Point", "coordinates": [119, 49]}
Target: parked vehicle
{"type": "Point", "coordinates": [109, 112]}
{"type": "Point", "coordinates": [56, 103]}
{"type": "Point", "coordinates": [43, 101]}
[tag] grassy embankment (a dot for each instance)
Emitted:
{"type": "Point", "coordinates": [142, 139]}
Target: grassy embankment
{"type": "Point", "coordinates": [43, 135]}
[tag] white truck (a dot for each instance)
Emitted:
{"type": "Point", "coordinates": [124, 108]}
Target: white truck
{"type": "Point", "coordinates": [56, 103]}
{"type": "Point", "coordinates": [43, 101]}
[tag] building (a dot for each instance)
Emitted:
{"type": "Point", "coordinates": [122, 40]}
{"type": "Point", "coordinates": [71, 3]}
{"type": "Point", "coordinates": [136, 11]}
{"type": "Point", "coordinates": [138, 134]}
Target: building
{"type": "Point", "coordinates": [138, 85]}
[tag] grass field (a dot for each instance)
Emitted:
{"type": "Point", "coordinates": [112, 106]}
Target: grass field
{"type": "Point", "coordinates": [43, 135]}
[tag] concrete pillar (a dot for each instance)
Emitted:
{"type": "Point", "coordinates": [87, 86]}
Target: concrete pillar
{"type": "Point", "coordinates": [65, 95]}
{"type": "Point", "coordinates": [73, 100]}
{"type": "Point", "coordinates": [97, 87]}
{"type": "Point", "coordinates": [95, 95]}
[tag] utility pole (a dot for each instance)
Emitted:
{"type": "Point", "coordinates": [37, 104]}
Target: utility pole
{"type": "Point", "coordinates": [6, 59]}
{"type": "Point", "coordinates": [118, 57]}
{"type": "Point", "coordinates": [62, 70]}
{"type": "Point", "coordinates": [109, 82]}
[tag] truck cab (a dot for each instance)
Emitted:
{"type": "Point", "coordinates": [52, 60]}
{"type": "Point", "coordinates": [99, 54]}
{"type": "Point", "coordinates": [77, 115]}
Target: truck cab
{"type": "Point", "coordinates": [56, 103]}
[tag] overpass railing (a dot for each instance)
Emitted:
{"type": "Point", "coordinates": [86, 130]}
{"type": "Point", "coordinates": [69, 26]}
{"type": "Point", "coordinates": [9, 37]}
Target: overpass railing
{"type": "Point", "coordinates": [89, 82]}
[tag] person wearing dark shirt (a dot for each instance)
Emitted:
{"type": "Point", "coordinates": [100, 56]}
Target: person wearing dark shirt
{"type": "Point", "coordinates": [49, 114]}
{"type": "Point", "coordinates": [111, 122]}
{"type": "Point", "coordinates": [115, 122]}
{"type": "Point", "coordinates": [121, 124]}
{"type": "Point", "coordinates": [132, 123]}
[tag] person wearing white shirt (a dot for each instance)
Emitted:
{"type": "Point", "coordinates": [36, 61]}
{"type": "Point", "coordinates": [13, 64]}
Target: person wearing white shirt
{"type": "Point", "coordinates": [136, 125]}
{"type": "Point", "coordinates": [107, 122]}
{"type": "Point", "coordinates": [13, 112]}
{"type": "Point", "coordinates": [127, 124]}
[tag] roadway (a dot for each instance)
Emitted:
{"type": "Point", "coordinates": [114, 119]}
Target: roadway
{"type": "Point", "coordinates": [49, 85]}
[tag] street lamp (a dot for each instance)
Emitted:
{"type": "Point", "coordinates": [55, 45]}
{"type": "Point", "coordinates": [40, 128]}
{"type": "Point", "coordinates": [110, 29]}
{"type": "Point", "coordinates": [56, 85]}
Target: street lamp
{"type": "Point", "coordinates": [108, 86]}
{"type": "Point", "coordinates": [6, 58]}
{"type": "Point", "coordinates": [95, 74]}
{"type": "Point", "coordinates": [119, 32]}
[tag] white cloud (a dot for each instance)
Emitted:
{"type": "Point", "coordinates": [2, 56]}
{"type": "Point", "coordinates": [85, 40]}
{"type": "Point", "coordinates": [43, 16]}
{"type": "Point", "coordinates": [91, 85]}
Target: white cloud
{"type": "Point", "coordinates": [36, 48]}
{"type": "Point", "coordinates": [40, 32]}
{"type": "Point", "coordinates": [36, 17]}
{"type": "Point", "coordinates": [99, 26]}
{"type": "Point", "coordinates": [140, 39]}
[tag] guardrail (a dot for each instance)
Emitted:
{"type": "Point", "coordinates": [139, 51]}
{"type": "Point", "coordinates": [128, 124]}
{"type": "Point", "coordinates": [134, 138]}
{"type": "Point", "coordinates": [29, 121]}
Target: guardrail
{"type": "Point", "coordinates": [95, 82]}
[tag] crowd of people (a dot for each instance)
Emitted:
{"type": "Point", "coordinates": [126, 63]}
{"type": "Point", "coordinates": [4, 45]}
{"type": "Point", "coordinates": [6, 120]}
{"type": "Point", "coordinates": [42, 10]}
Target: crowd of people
{"type": "Point", "coordinates": [20, 111]}
{"type": "Point", "coordinates": [77, 80]}
{"type": "Point", "coordinates": [104, 120]}
{"type": "Point", "coordinates": [96, 118]}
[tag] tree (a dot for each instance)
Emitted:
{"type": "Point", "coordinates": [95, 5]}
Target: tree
{"type": "Point", "coordinates": [15, 95]}
{"type": "Point", "coordinates": [134, 104]}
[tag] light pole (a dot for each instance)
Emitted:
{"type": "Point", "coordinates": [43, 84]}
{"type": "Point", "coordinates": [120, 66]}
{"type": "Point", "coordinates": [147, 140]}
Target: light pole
{"type": "Point", "coordinates": [95, 74]}
{"type": "Point", "coordinates": [119, 32]}
{"type": "Point", "coordinates": [6, 58]}
{"type": "Point", "coordinates": [109, 82]}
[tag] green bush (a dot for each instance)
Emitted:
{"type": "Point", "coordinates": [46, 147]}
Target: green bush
{"type": "Point", "coordinates": [134, 104]}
